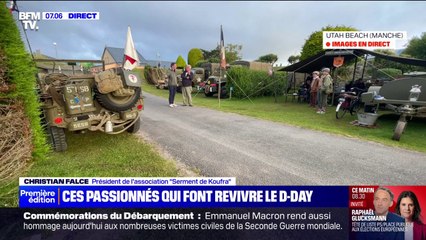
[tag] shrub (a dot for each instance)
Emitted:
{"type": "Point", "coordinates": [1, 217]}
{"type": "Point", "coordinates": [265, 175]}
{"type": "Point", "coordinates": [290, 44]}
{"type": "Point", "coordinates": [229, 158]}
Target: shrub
{"type": "Point", "coordinates": [20, 73]}
{"type": "Point", "coordinates": [388, 73]}
{"type": "Point", "coordinates": [246, 82]}
{"type": "Point", "coordinates": [194, 56]}
{"type": "Point", "coordinates": [180, 62]}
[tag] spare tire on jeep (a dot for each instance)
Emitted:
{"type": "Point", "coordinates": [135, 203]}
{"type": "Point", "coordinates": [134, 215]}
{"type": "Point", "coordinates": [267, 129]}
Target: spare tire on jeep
{"type": "Point", "coordinates": [118, 103]}
{"type": "Point", "coordinates": [117, 90]}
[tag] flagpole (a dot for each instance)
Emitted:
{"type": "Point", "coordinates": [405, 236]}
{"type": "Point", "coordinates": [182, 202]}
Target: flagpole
{"type": "Point", "coordinates": [220, 87]}
{"type": "Point", "coordinates": [124, 55]}
{"type": "Point", "coordinates": [222, 62]}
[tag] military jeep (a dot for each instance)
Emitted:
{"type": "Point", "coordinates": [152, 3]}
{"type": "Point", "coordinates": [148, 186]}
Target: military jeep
{"type": "Point", "coordinates": [109, 101]}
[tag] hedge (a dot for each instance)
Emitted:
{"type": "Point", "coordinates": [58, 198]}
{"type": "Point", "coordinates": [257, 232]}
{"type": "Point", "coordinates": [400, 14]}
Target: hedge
{"type": "Point", "coordinates": [21, 73]}
{"type": "Point", "coordinates": [246, 82]}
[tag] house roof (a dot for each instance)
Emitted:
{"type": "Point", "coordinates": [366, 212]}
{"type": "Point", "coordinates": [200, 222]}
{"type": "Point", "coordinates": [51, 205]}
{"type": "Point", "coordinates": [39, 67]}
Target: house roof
{"type": "Point", "coordinates": [325, 59]}
{"type": "Point", "coordinates": [118, 54]}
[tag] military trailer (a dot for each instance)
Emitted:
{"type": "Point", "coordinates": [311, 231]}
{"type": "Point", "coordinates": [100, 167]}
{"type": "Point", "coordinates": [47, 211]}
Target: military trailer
{"type": "Point", "coordinates": [403, 96]}
{"type": "Point", "coordinates": [156, 76]}
{"type": "Point", "coordinates": [210, 69]}
{"type": "Point", "coordinates": [109, 101]}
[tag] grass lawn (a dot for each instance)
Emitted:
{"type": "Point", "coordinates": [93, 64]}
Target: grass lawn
{"type": "Point", "coordinates": [96, 154]}
{"type": "Point", "coordinates": [299, 114]}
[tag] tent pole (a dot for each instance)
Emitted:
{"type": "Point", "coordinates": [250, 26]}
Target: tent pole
{"type": "Point", "coordinates": [365, 63]}
{"type": "Point", "coordinates": [353, 76]}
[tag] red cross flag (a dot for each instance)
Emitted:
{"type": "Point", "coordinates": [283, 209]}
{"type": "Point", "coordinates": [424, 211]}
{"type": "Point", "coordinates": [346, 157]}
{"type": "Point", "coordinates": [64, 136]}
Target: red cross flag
{"type": "Point", "coordinates": [131, 59]}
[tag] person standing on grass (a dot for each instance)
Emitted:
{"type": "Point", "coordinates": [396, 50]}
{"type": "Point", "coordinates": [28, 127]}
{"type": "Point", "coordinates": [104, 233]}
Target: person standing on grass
{"type": "Point", "coordinates": [187, 77]}
{"type": "Point", "coordinates": [326, 87]}
{"type": "Point", "coordinates": [172, 83]}
{"type": "Point", "coordinates": [314, 88]}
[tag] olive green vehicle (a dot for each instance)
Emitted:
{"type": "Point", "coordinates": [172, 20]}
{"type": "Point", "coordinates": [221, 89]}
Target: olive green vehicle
{"type": "Point", "coordinates": [109, 101]}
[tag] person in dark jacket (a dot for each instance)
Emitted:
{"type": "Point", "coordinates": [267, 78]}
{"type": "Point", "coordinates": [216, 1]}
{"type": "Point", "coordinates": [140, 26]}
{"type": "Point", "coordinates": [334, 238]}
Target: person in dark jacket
{"type": "Point", "coordinates": [187, 77]}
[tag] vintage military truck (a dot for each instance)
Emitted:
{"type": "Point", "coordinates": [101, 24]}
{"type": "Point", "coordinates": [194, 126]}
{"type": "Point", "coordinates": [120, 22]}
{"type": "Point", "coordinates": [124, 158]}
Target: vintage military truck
{"type": "Point", "coordinates": [210, 81]}
{"type": "Point", "coordinates": [109, 101]}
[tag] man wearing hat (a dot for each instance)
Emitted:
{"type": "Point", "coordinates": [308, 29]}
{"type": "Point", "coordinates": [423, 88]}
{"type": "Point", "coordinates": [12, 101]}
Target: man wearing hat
{"type": "Point", "coordinates": [326, 87]}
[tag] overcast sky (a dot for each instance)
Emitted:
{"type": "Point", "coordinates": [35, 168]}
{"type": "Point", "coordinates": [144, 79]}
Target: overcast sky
{"type": "Point", "coordinates": [172, 28]}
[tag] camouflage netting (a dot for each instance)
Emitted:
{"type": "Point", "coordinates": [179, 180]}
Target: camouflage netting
{"type": "Point", "coordinates": [15, 141]}
{"type": "Point", "coordinates": [153, 75]}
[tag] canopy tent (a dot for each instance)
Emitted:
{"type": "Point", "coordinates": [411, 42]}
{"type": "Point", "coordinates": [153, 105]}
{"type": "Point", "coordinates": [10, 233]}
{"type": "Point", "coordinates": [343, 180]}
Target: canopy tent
{"type": "Point", "coordinates": [325, 59]}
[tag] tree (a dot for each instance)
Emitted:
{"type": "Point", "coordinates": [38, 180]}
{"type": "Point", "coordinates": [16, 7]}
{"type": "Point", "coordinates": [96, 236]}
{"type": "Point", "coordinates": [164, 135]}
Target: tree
{"type": "Point", "coordinates": [417, 47]}
{"type": "Point", "coordinates": [195, 55]}
{"type": "Point", "coordinates": [268, 58]}
{"type": "Point", "coordinates": [293, 59]}
{"type": "Point", "coordinates": [212, 54]}
{"type": "Point", "coordinates": [87, 66]}
{"type": "Point", "coordinates": [381, 63]}
{"type": "Point", "coordinates": [313, 45]}
{"type": "Point", "coordinates": [232, 53]}
{"type": "Point", "coordinates": [180, 62]}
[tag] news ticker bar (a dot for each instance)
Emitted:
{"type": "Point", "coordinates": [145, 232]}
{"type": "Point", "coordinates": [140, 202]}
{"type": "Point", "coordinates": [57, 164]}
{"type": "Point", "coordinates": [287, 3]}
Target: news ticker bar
{"type": "Point", "coordinates": [181, 223]}
{"type": "Point", "coordinates": [194, 192]}
{"type": "Point", "coordinates": [181, 196]}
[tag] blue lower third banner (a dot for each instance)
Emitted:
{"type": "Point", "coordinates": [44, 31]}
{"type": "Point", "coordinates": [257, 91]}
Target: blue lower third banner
{"type": "Point", "coordinates": [158, 211]}
{"type": "Point", "coordinates": [181, 196]}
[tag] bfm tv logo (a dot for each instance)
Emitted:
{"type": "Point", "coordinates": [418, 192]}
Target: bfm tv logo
{"type": "Point", "coordinates": [29, 19]}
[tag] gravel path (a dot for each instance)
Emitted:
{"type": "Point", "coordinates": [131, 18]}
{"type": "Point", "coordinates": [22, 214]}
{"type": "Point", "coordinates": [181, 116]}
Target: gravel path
{"type": "Point", "coordinates": [259, 152]}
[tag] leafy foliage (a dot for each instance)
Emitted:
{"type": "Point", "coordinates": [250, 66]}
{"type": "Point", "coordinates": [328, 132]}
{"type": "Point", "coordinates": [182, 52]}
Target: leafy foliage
{"type": "Point", "coordinates": [232, 53]}
{"type": "Point", "coordinates": [268, 58]}
{"type": "Point", "coordinates": [417, 47]}
{"type": "Point", "coordinates": [246, 82]}
{"type": "Point", "coordinates": [180, 62]}
{"type": "Point", "coordinates": [211, 55]}
{"type": "Point", "coordinates": [293, 59]}
{"type": "Point", "coordinates": [313, 45]}
{"type": "Point", "coordinates": [194, 56]}
{"type": "Point", "coordinates": [383, 63]}
{"type": "Point", "coordinates": [22, 73]}
{"type": "Point", "coordinates": [146, 72]}
{"type": "Point", "coordinates": [387, 73]}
